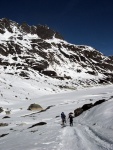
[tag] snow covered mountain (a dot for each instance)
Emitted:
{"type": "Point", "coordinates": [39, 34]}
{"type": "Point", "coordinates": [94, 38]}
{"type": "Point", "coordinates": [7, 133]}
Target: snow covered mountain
{"type": "Point", "coordinates": [37, 66]}
{"type": "Point", "coordinates": [38, 52]}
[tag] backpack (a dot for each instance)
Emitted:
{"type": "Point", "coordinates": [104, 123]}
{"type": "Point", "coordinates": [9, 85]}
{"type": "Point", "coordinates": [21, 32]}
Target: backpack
{"type": "Point", "coordinates": [71, 117]}
{"type": "Point", "coordinates": [63, 116]}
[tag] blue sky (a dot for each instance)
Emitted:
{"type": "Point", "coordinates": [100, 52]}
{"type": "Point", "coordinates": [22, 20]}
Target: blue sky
{"type": "Point", "coordinates": [84, 22]}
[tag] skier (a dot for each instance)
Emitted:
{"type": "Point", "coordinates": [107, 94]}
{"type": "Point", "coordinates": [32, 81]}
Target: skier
{"type": "Point", "coordinates": [70, 119]}
{"type": "Point", "coordinates": [63, 117]}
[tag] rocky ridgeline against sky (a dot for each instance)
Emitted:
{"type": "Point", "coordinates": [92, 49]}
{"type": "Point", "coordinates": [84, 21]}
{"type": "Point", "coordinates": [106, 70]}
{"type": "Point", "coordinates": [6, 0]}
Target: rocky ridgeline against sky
{"type": "Point", "coordinates": [36, 51]}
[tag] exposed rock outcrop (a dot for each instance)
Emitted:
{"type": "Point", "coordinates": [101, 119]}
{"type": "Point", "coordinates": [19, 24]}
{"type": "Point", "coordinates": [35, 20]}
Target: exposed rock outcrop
{"type": "Point", "coordinates": [38, 124]}
{"type": "Point", "coordinates": [6, 117]}
{"type": "Point", "coordinates": [3, 124]}
{"type": "Point", "coordinates": [85, 107]}
{"type": "Point", "coordinates": [2, 135]}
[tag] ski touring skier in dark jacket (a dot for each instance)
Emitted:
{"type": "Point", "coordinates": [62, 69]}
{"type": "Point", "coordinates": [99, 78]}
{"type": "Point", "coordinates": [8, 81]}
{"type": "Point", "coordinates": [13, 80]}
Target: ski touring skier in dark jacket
{"type": "Point", "coordinates": [63, 117]}
{"type": "Point", "coordinates": [71, 119]}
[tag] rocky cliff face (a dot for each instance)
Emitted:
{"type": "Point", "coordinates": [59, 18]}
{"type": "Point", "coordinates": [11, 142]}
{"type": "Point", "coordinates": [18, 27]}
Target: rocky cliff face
{"type": "Point", "coordinates": [31, 51]}
{"type": "Point", "coordinates": [111, 57]}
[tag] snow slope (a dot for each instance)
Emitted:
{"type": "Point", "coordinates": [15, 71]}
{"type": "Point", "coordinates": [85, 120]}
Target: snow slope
{"type": "Point", "coordinates": [38, 52]}
{"type": "Point", "coordinates": [93, 130]}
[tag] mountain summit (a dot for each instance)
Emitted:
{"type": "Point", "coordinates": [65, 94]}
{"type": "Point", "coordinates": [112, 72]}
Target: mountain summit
{"type": "Point", "coordinates": [38, 52]}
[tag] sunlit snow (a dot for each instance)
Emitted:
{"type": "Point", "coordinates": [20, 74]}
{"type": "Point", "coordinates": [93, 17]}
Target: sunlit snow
{"type": "Point", "coordinates": [91, 131]}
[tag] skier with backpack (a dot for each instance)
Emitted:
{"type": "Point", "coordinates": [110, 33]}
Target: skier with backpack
{"type": "Point", "coordinates": [71, 119]}
{"type": "Point", "coordinates": [63, 117]}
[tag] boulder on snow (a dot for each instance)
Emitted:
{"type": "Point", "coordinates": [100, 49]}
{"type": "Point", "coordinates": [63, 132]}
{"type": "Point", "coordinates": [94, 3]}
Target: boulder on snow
{"type": "Point", "coordinates": [87, 106]}
{"type": "Point", "coordinates": [2, 135]}
{"type": "Point", "coordinates": [35, 107]}
{"type": "Point", "coordinates": [99, 102]}
{"type": "Point", "coordinates": [8, 112]}
{"type": "Point", "coordinates": [38, 124]}
{"type": "Point", "coordinates": [5, 117]}
{"type": "Point", "coordinates": [1, 109]}
{"type": "Point", "coordinates": [3, 124]}
{"type": "Point", "coordinates": [78, 111]}
{"type": "Point", "coordinates": [49, 73]}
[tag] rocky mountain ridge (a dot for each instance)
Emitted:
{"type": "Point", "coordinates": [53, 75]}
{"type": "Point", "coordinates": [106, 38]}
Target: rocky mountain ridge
{"type": "Point", "coordinates": [33, 52]}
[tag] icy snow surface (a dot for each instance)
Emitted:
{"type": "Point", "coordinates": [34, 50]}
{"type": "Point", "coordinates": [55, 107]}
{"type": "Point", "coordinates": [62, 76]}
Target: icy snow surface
{"type": "Point", "coordinates": [93, 130]}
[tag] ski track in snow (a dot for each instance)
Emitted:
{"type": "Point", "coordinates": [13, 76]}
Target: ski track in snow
{"type": "Point", "coordinates": [82, 138]}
